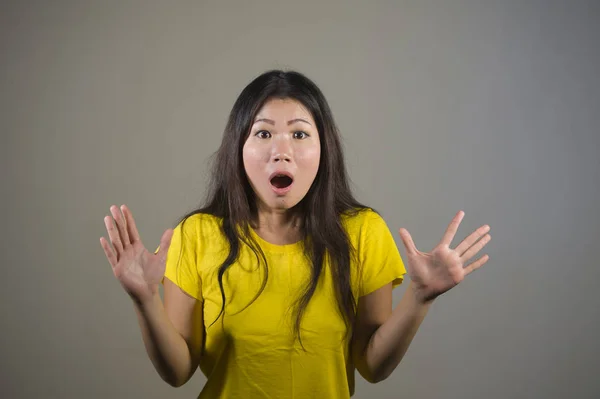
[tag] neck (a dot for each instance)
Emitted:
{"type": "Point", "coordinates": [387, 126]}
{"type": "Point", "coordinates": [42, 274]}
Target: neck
{"type": "Point", "coordinates": [278, 226]}
{"type": "Point", "coordinates": [277, 220]}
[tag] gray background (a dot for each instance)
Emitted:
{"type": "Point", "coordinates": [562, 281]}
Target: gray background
{"type": "Point", "coordinates": [487, 106]}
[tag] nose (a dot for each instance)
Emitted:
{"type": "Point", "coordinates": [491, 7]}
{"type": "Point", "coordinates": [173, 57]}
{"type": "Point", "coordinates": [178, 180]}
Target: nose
{"type": "Point", "coordinates": [281, 150]}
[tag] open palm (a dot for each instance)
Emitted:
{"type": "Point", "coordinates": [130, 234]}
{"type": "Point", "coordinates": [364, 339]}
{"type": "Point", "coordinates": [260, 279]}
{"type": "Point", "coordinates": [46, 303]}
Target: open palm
{"type": "Point", "coordinates": [436, 272]}
{"type": "Point", "coordinates": [138, 270]}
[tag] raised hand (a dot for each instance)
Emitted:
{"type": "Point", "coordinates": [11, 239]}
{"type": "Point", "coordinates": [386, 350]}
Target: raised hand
{"type": "Point", "coordinates": [138, 270]}
{"type": "Point", "coordinates": [443, 268]}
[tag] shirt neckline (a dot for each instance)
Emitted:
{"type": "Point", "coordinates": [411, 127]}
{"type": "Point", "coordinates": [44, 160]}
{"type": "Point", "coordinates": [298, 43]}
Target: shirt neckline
{"type": "Point", "coordinates": [276, 248]}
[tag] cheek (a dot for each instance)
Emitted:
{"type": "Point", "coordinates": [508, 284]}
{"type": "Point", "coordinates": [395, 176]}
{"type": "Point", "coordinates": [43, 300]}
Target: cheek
{"type": "Point", "coordinates": [309, 158]}
{"type": "Point", "coordinates": [252, 153]}
{"type": "Point", "coordinates": [253, 159]}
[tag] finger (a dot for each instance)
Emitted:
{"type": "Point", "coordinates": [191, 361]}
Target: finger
{"type": "Point", "coordinates": [110, 254]}
{"type": "Point", "coordinates": [471, 239]}
{"type": "Point", "coordinates": [452, 228]}
{"type": "Point", "coordinates": [477, 264]}
{"type": "Point", "coordinates": [408, 241]}
{"type": "Point", "coordinates": [131, 227]}
{"type": "Point", "coordinates": [118, 216]}
{"type": "Point", "coordinates": [476, 248]}
{"type": "Point", "coordinates": [113, 234]}
{"type": "Point", "coordinates": [165, 243]}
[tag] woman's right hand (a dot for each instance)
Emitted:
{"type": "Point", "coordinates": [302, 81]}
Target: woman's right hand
{"type": "Point", "coordinates": [138, 270]}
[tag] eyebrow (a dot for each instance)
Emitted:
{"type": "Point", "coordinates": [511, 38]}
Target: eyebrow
{"type": "Point", "coordinates": [272, 122]}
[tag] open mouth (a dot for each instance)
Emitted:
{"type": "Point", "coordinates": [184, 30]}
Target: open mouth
{"type": "Point", "coordinates": [281, 181]}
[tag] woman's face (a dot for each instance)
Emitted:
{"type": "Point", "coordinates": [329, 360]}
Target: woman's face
{"type": "Point", "coordinates": [282, 154]}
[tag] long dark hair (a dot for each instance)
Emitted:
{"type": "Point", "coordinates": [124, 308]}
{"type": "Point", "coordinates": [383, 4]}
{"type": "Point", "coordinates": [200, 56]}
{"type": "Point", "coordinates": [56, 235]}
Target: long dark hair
{"type": "Point", "coordinates": [231, 197]}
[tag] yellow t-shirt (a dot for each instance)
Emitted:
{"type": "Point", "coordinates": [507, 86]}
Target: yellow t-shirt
{"type": "Point", "coordinates": [252, 352]}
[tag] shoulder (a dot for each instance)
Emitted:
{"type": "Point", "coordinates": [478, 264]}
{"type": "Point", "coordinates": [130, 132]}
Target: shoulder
{"type": "Point", "coordinates": [194, 232]}
{"type": "Point", "coordinates": [377, 255]}
{"type": "Point", "coordinates": [359, 221]}
{"type": "Point", "coordinates": [200, 224]}
{"type": "Point", "coordinates": [369, 233]}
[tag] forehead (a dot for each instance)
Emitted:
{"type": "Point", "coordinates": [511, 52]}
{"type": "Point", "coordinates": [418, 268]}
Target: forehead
{"type": "Point", "coordinates": [283, 109]}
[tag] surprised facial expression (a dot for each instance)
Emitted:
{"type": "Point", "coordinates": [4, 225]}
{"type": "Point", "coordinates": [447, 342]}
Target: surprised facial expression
{"type": "Point", "coordinates": [282, 153]}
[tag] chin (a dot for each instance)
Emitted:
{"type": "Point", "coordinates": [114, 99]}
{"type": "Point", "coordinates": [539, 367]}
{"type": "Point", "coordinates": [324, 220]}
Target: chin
{"type": "Point", "coordinates": [284, 204]}
{"type": "Point", "coordinates": [280, 203]}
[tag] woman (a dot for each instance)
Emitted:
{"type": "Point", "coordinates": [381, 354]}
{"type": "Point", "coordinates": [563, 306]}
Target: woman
{"type": "Point", "coordinates": [281, 285]}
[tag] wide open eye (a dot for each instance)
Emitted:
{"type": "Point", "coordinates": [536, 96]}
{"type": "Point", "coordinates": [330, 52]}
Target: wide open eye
{"type": "Point", "coordinates": [300, 135]}
{"type": "Point", "coordinates": [263, 134]}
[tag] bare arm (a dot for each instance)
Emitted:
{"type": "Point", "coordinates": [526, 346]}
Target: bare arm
{"type": "Point", "coordinates": [382, 336]}
{"type": "Point", "coordinates": [172, 333]}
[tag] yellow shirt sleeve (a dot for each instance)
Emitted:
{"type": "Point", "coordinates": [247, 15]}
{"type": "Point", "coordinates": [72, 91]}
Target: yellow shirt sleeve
{"type": "Point", "coordinates": [380, 261]}
{"type": "Point", "coordinates": [182, 266]}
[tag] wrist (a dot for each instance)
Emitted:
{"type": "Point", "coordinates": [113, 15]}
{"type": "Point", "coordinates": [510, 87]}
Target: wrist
{"type": "Point", "coordinates": [418, 296]}
{"type": "Point", "coordinates": [149, 303]}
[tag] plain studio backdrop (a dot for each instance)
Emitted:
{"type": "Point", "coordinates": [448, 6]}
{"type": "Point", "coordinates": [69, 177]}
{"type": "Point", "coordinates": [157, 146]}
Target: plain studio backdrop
{"type": "Point", "coordinates": [487, 106]}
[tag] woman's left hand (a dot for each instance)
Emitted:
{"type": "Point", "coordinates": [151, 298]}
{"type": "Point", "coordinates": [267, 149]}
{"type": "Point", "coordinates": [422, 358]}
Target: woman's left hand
{"type": "Point", "coordinates": [443, 268]}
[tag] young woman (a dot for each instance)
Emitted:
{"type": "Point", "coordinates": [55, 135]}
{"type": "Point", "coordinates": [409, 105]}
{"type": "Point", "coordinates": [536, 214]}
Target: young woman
{"type": "Point", "coordinates": [281, 285]}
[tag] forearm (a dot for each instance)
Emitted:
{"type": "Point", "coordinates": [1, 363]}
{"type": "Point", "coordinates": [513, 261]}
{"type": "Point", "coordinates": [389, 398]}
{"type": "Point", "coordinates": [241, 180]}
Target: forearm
{"type": "Point", "coordinates": [391, 340]}
{"type": "Point", "coordinates": [166, 348]}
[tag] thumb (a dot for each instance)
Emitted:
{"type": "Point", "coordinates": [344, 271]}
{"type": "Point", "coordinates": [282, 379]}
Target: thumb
{"type": "Point", "coordinates": [407, 241]}
{"type": "Point", "coordinates": [165, 243]}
